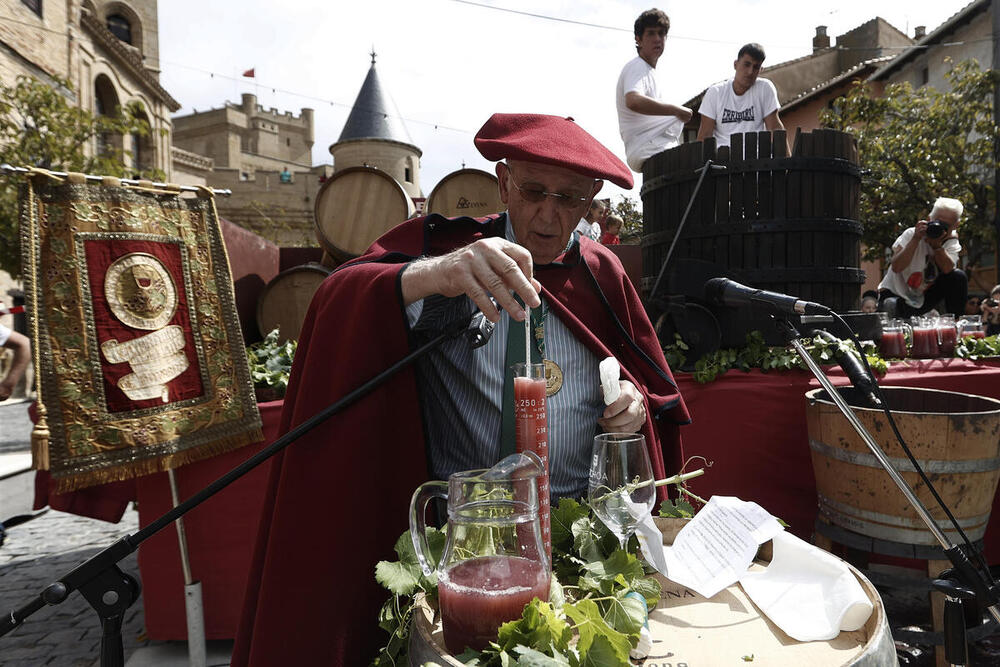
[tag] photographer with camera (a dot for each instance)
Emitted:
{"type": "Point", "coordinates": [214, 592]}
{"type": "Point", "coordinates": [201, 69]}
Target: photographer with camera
{"type": "Point", "coordinates": [923, 269]}
{"type": "Point", "coordinates": [991, 312]}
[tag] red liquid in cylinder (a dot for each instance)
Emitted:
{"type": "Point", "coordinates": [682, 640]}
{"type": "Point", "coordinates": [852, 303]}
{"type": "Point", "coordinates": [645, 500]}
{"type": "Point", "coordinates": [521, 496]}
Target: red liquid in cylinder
{"type": "Point", "coordinates": [478, 595]}
{"type": "Point", "coordinates": [949, 339]}
{"type": "Point", "coordinates": [893, 344]}
{"type": "Point", "coordinates": [925, 344]}
{"type": "Point", "coordinates": [973, 334]}
{"type": "Point", "coordinates": [531, 428]}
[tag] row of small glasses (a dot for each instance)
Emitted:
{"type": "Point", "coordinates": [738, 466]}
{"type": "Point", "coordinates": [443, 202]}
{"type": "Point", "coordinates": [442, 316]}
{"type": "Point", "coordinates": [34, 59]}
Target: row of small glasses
{"type": "Point", "coordinates": [927, 337]}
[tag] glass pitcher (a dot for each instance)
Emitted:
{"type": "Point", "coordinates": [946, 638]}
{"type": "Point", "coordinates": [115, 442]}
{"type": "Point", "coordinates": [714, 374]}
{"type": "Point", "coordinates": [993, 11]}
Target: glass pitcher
{"type": "Point", "coordinates": [971, 326]}
{"type": "Point", "coordinates": [947, 335]}
{"type": "Point", "coordinates": [893, 341]}
{"type": "Point", "coordinates": [925, 338]}
{"type": "Point", "coordinates": [494, 561]}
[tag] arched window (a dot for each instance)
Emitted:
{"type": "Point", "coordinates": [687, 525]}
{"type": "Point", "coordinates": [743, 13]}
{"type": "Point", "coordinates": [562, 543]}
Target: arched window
{"type": "Point", "coordinates": [120, 27]}
{"type": "Point", "coordinates": [106, 104]}
{"type": "Point", "coordinates": [142, 146]}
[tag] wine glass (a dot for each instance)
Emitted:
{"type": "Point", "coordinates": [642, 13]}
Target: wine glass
{"type": "Point", "coordinates": [621, 490]}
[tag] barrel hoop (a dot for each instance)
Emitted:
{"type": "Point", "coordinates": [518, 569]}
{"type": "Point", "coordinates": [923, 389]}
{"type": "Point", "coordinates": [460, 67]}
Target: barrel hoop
{"type": "Point", "coordinates": [904, 465]}
{"type": "Point", "coordinates": [895, 520]}
{"type": "Point", "coordinates": [836, 225]}
{"type": "Point", "coordinates": [895, 529]}
{"type": "Point", "coordinates": [795, 164]}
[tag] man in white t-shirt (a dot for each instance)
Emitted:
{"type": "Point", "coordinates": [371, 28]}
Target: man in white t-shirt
{"type": "Point", "coordinates": [647, 125]}
{"type": "Point", "coordinates": [924, 265]}
{"type": "Point", "coordinates": [21, 347]}
{"type": "Point", "coordinates": [744, 103]}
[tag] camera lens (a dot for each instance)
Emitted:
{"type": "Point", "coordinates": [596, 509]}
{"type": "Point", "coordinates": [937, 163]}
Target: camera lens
{"type": "Point", "coordinates": [935, 229]}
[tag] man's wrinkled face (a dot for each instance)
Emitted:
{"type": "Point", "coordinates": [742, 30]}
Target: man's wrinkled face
{"type": "Point", "coordinates": [543, 222]}
{"type": "Point", "coordinates": [949, 218]}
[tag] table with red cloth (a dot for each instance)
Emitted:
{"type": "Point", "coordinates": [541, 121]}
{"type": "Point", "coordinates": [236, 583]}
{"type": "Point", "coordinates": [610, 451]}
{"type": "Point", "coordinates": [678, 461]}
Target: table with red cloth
{"type": "Point", "coordinates": [752, 427]}
{"type": "Point", "coordinates": [220, 533]}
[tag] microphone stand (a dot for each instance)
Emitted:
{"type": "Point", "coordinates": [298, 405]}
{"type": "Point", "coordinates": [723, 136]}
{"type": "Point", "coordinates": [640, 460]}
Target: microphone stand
{"type": "Point", "coordinates": [110, 591]}
{"type": "Point", "coordinates": [964, 580]}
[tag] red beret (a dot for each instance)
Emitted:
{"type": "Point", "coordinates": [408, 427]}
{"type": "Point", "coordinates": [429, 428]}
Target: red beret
{"type": "Point", "coordinates": [552, 140]}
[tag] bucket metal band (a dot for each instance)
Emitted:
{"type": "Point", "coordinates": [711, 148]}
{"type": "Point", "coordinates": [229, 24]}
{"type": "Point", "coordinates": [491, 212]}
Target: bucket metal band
{"type": "Point", "coordinates": [903, 464]}
{"type": "Point", "coordinates": [896, 528]}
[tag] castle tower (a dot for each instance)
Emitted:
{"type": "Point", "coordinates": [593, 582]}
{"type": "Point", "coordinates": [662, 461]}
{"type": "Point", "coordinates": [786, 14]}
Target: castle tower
{"type": "Point", "coordinates": [375, 135]}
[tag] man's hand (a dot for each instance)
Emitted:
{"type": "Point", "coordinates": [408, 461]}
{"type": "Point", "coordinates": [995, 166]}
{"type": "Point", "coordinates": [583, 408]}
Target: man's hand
{"type": "Point", "coordinates": [489, 267]}
{"type": "Point", "coordinates": [920, 230]}
{"type": "Point", "coordinates": [627, 414]}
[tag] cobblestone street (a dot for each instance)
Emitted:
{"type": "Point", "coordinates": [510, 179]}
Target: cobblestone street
{"type": "Point", "coordinates": [34, 555]}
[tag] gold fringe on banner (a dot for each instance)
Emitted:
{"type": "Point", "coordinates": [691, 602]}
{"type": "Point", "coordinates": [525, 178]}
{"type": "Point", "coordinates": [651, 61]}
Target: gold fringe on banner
{"type": "Point", "coordinates": [152, 466]}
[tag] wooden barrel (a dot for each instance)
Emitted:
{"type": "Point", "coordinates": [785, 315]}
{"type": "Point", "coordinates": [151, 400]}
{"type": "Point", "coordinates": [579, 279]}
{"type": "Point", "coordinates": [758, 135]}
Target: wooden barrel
{"type": "Point", "coordinates": [470, 192]}
{"type": "Point", "coordinates": [716, 631]}
{"type": "Point", "coordinates": [356, 206]}
{"type": "Point", "coordinates": [285, 300]}
{"type": "Point", "coordinates": [773, 221]}
{"type": "Point", "coordinates": [953, 436]}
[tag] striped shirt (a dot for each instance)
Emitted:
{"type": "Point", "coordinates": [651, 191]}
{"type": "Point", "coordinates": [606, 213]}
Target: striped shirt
{"type": "Point", "coordinates": [461, 393]}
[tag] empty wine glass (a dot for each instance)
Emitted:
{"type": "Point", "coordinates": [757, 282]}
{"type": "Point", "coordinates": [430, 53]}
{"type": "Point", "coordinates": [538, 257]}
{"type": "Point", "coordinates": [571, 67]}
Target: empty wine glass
{"type": "Point", "coordinates": [621, 490]}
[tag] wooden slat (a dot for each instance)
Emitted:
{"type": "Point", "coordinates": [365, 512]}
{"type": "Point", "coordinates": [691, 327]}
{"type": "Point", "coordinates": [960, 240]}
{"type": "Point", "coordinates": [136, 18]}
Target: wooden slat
{"type": "Point", "coordinates": [750, 177]}
{"type": "Point", "coordinates": [736, 179]}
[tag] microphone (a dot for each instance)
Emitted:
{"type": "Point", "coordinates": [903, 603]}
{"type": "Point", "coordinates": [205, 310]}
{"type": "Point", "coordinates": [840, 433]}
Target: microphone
{"type": "Point", "coordinates": [854, 370]}
{"type": "Point", "coordinates": [725, 292]}
{"type": "Point", "coordinates": [479, 330]}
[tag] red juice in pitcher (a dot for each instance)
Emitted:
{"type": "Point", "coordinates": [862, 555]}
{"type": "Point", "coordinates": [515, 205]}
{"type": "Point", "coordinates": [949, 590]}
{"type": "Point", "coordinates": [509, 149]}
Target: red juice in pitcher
{"type": "Point", "coordinates": [479, 595]}
{"type": "Point", "coordinates": [893, 344]}
{"type": "Point", "coordinates": [949, 339]}
{"type": "Point", "coordinates": [531, 424]}
{"type": "Point", "coordinates": [925, 344]}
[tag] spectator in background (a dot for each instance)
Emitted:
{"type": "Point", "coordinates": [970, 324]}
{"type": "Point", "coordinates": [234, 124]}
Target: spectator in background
{"type": "Point", "coordinates": [21, 347]}
{"type": "Point", "coordinates": [285, 176]}
{"type": "Point", "coordinates": [972, 306]}
{"type": "Point", "coordinates": [991, 312]}
{"type": "Point", "coordinates": [744, 103]}
{"type": "Point", "coordinates": [590, 224]}
{"type": "Point", "coordinates": [648, 126]}
{"type": "Point", "coordinates": [924, 265]}
{"type": "Point", "coordinates": [613, 225]}
{"type": "Point", "coordinates": [869, 301]}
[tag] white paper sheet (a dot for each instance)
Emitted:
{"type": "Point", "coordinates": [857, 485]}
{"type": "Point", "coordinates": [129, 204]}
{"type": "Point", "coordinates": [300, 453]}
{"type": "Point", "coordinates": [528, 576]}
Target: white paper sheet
{"type": "Point", "coordinates": [808, 593]}
{"type": "Point", "coordinates": [718, 545]}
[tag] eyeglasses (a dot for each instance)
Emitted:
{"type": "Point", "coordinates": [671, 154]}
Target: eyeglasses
{"type": "Point", "coordinates": [537, 195]}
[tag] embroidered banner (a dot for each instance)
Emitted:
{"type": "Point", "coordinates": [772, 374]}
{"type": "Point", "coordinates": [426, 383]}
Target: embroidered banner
{"type": "Point", "coordinates": [143, 367]}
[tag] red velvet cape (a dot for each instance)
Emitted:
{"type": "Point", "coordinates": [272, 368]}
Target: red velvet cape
{"type": "Point", "coordinates": [338, 498]}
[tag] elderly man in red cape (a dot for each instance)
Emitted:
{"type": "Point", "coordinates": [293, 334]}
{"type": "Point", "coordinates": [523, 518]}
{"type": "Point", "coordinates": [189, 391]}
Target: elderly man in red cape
{"type": "Point", "coordinates": [338, 498]}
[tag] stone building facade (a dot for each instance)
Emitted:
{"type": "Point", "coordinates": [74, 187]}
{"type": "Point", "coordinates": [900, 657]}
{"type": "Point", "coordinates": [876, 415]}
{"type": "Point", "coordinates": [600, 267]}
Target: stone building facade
{"type": "Point", "coordinates": [108, 52]}
{"type": "Point", "coordinates": [264, 156]}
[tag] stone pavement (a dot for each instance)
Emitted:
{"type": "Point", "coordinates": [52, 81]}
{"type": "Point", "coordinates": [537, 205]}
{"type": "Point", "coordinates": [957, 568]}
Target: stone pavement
{"type": "Point", "coordinates": [34, 555]}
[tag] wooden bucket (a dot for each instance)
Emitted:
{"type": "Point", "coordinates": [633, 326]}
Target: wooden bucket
{"type": "Point", "coordinates": [690, 629]}
{"type": "Point", "coordinates": [470, 192]}
{"type": "Point", "coordinates": [953, 436]}
{"type": "Point", "coordinates": [356, 206]}
{"type": "Point", "coordinates": [285, 300]}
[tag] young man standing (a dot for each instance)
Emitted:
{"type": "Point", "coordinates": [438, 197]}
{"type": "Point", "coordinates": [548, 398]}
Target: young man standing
{"type": "Point", "coordinates": [647, 125]}
{"type": "Point", "coordinates": [744, 103]}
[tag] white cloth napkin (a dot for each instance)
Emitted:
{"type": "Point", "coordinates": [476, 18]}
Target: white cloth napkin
{"type": "Point", "coordinates": [807, 592]}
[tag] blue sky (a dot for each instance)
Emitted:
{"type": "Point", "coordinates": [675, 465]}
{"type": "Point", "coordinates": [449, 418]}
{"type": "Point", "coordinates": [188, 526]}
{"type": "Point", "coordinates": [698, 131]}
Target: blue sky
{"type": "Point", "coordinates": [449, 64]}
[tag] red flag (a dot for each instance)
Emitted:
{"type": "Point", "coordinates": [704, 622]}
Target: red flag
{"type": "Point", "coordinates": [249, 72]}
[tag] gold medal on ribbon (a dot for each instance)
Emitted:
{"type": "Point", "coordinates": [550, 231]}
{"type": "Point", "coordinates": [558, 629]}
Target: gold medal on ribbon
{"type": "Point", "coordinates": [553, 378]}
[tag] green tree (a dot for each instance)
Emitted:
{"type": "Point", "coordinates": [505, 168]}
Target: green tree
{"type": "Point", "coordinates": [631, 216]}
{"type": "Point", "coordinates": [917, 145]}
{"type": "Point", "coordinates": [40, 127]}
